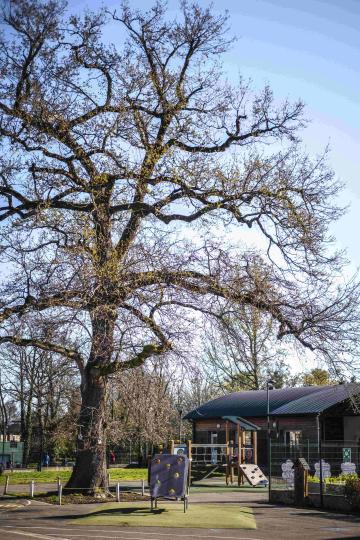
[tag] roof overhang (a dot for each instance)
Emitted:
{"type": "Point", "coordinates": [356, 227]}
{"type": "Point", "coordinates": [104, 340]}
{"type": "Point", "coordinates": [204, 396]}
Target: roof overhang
{"type": "Point", "coordinates": [244, 424]}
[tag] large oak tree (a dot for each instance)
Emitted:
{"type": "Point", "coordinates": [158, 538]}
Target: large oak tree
{"type": "Point", "coordinates": [117, 163]}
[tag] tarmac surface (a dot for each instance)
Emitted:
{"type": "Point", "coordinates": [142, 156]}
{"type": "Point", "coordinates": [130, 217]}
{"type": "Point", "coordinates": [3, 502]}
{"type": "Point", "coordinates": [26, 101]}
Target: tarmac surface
{"type": "Point", "coordinates": [37, 520]}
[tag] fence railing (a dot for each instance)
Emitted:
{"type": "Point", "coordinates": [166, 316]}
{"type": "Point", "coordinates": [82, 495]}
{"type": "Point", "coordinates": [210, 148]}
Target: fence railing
{"type": "Point", "coordinates": [209, 454]}
{"type": "Point", "coordinates": [33, 488]}
{"type": "Point", "coordinates": [329, 464]}
{"type": "Point", "coordinates": [216, 454]}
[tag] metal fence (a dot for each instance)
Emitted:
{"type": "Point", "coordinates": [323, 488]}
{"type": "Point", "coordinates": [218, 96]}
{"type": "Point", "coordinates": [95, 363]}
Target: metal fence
{"type": "Point", "coordinates": [328, 461]}
{"type": "Point", "coordinates": [217, 454]}
{"type": "Point", "coordinates": [209, 454]}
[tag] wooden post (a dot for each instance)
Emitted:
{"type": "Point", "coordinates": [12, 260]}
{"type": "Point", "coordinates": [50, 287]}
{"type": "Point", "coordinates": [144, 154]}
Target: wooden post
{"type": "Point", "coordinates": [6, 487]}
{"type": "Point", "coordinates": [227, 472]}
{"type": "Point", "coordinates": [301, 469]}
{"type": "Point", "coordinates": [254, 438]}
{"type": "Point", "coordinates": [108, 480]}
{"type": "Point", "coordinates": [227, 468]}
{"type": "Point", "coordinates": [172, 446]}
{"type": "Point", "coordinates": [189, 445]}
{"type": "Point", "coordinates": [239, 455]}
{"type": "Point", "coordinates": [243, 446]}
{"type": "Point", "coordinates": [231, 465]}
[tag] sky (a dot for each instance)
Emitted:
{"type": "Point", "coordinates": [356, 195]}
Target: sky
{"type": "Point", "coordinates": [308, 49]}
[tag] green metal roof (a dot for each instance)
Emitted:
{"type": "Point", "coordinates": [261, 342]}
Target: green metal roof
{"type": "Point", "coordinates": [285, 401]}
{"type": "Point", "coordinates": [320, 401]}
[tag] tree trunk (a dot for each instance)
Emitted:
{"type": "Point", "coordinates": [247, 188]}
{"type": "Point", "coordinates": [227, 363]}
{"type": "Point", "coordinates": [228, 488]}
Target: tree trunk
{"type": "Point", "coordinates": [90, 468]}
{"type": "Point", "coordinates": [27, 445]}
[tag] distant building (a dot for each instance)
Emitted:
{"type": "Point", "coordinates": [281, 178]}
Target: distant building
{"type": "Point", "coordinates": [13, 431]}
{"type": "Point", "coordinates": [11, 450]}
{"type": "Point", "coordinates": [314, 413]}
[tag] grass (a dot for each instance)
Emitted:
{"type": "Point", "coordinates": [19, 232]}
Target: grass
{"type": "Point", "coordinates": [24, 477]}
{"type": "Point", "coordinates": [203, 516]}
{"type": "Point", "coordinates": [51, 497]}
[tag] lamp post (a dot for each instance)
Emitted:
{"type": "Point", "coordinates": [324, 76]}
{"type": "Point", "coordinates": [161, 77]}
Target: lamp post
{"type": "Point", "coordinates": [269, 386]}
{"type": "Point", "coordinates": [4, 421]}
{"type": "Point", "coordinates": [179, 409]}
{"type": "Point", "coordinates": [4, 426]}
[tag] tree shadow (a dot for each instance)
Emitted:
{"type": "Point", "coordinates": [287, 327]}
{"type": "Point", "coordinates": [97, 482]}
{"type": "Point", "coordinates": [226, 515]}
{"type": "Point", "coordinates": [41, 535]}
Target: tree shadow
{"type": "Point", "coordinates": [321, 514]}
{"type": "Point", "coordinates": [119, 512]}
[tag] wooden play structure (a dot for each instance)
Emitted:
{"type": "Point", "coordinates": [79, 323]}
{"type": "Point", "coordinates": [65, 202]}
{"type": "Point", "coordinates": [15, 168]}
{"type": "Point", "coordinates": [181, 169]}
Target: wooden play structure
{"type": "Point", "coordinates": [233, 456]}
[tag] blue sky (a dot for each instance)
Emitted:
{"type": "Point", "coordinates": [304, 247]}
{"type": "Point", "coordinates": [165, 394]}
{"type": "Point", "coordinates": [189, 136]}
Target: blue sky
{"type": "Point", "coordinates": [308, 49]}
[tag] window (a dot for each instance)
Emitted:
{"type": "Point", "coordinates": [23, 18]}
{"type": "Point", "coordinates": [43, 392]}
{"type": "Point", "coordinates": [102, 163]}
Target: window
{"type": "Point", "coordinates": [292, 438]}
{"type": "Point", "coordinates": [333, 429]}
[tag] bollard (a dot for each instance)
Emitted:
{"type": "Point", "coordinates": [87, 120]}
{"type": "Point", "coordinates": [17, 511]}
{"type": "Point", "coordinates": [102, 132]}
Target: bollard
{"type": "Point", "coordinates": [32, 487]}
{"type": "Point", "coordinates": [142, 487]}
{"type": "Point", "coordinates": [58, 482]}
{"type": "Point", "coordinates": [60, 493]}
{"type": "Point", "coordinates": [118, 491]}
{"type": "Point", "coordinates": [108, 480]}
{"type": "Point", "coordinates": [6, 487]}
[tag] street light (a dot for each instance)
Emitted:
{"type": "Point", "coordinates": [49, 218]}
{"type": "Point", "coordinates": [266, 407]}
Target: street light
{"type": "Point", "coordinates": [180, 412]}
{"type": "Point", "coordinates": [269, 386]}
{"type": "Point", "coordinates": [4, 431]}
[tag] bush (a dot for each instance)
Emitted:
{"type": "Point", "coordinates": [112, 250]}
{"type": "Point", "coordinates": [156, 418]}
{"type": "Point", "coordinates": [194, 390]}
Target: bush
{"type": "Point", "coordinates": [341, 479]}
{"type": "Point", "coordinates": [352, 491]}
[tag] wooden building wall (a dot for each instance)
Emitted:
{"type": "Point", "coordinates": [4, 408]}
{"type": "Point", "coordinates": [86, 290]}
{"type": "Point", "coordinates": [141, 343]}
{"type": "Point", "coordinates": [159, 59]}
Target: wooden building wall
{"type": "Point", "coordinates": [306, 424]}
{"type": "Point", "coordinates": [202, 430]}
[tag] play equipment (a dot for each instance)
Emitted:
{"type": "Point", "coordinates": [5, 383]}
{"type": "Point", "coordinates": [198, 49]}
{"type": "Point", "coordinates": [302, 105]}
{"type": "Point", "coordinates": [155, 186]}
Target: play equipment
{"type": "Point", "coordinates": [230, 456]}
{"type": "Point", "coordinates": [169, 478]}
{"type": "Point", "coordinates": [253, 475]}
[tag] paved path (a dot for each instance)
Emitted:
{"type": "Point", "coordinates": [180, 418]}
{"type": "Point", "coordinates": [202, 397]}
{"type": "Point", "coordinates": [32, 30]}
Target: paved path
{"type": "Point", "coordinates": [41, 521]}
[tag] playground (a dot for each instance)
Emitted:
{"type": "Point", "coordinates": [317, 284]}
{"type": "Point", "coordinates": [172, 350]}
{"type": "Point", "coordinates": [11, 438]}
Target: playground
{"type": "Point", "coordinates": [225, 500]}
{"type": "Point", "coordinates": [214, 512]}
{"type": "Point", "coordinates": [223, 505]}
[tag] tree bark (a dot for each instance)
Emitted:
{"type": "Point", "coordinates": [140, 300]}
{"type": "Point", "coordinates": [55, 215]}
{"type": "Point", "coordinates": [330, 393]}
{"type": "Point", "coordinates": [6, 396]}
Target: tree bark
{"type": "Point", "coordinates": [90, 468]}
{"type": "Point", "coordinates": [28, 429]}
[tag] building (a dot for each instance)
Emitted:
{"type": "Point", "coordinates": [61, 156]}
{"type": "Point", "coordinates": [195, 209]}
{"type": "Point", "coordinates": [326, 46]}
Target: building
{"type": "Point", "coordinates": [11, 447]}
{"type": "Point", "coordinates": [330, 414]}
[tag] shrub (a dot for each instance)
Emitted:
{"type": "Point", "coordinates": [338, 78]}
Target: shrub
{"type": "Point", "coordinates": [341, 479]}
{"type": "Point", "coordinates": [352, 491]}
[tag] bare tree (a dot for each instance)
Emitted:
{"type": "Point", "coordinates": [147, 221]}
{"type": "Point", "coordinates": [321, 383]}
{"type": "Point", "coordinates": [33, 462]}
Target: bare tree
{"type": "Point", "coordinates": [111, 157]}
{"type": "Point", "coordinates": [39, 382]}
{"type": "Point", "coordinates": [242, 349]}
{"type": "Point", "coordinates": [141, 408]}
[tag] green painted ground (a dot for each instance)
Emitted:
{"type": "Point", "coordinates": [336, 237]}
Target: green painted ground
{"type": "Point", "coordinates": [24, 477]}
{"type": "Point", "coordinates": [203, 516]}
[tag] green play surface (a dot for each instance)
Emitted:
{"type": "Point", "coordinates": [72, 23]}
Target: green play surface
{"type": "Point", "coordinates": [203, 516]}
